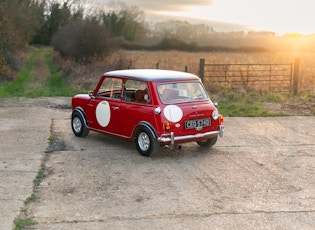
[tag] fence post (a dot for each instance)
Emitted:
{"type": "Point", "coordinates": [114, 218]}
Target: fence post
{"type": "Point", "coordinates": [186, 68]}
{"type": "Point", "coordinates": [157, 65]}
{"type": "Point", "coordinates": [296, 76]}
{"type": "Point", "coordinates": [202, 69]}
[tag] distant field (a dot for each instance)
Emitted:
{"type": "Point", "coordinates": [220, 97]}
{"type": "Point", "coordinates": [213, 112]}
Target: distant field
{"type": "Point", "coordinates": [178, 60]}
{"type": "Point", "coordinates": [86, 76]}
{"type": "Point", "coordinates": [44, 75]}
{"type": "Point", "coordinates": [232, 103]}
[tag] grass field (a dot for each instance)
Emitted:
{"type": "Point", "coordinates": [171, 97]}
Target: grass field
{"type": "Point", "coordinates": [85, 76]}
{"type": "Point", "coordinates": [233, 103]}
{"type": "Point", "coordinates": [179, 60]}
{"type": "Point", "coordinates": [47, 74]}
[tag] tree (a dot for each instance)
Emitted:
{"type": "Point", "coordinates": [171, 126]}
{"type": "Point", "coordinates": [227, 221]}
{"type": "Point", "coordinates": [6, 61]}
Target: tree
{"type": "Point", "coordinates": [127, 23]}
{"type": "Point", "coordinates": [19, 20]}
{"type": "Point", "coordinates": [182, 30]}
{"type": "Point", "coordinates": [58, 15]}
{"type": "Point", "coordinates": [82, 40]}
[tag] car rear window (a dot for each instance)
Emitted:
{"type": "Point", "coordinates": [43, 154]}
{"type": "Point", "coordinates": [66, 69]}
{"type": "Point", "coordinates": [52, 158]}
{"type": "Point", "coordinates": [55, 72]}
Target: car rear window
{"type": "Point", "coordinates": [180, 92]}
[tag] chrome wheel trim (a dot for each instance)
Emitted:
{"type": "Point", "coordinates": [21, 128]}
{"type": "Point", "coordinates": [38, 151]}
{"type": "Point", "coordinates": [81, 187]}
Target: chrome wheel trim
{"type": "Point", "coordinates": [144, 141]}
{"type": "Point", "coordinates": [77, 124]}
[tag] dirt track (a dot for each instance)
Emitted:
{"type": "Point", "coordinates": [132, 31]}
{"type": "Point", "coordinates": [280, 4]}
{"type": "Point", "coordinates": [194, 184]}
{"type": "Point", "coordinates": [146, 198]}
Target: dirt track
{"type": "Point", "coordinates": [260, 175]}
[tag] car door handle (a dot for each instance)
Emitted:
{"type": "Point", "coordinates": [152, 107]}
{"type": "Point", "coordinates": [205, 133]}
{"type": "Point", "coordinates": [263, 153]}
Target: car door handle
{"type": "Point", "coordinates": [115, 108]}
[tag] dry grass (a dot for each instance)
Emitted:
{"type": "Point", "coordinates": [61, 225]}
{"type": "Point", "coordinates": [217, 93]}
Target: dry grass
{"type": "Point", "coordinates": [246, 103]}
{"type": "Point", "coordinates": [86, 76]}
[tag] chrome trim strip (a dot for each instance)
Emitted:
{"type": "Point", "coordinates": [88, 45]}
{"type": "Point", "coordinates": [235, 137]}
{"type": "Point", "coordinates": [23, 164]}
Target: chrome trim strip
{"type": "Point", "coordinates": [109, 133]}
{"type": "Point", "coordinates": [187, 137]}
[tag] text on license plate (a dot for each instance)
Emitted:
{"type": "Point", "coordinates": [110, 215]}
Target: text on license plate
{"type": "Point", "coordinates": [197, 123]}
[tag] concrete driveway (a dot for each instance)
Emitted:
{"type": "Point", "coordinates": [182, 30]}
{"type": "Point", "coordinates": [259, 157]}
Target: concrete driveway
{"type": "Point", "coordinates": [260, 175]}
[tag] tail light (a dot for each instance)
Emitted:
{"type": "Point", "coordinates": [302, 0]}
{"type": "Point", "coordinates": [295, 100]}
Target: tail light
{"type": "Point", "coordinates": [167, 126]}
{"type": "Point", "coordinates": [221, 120]}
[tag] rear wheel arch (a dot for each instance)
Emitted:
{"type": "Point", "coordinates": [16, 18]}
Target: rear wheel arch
{"type": "Point", "coordinates": [145, 138]}
{"type": "Point", "coordinates": [144, 124]}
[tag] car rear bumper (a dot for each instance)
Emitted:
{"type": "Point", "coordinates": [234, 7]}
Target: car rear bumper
{"type": "Point", "coordinates": [171, 139]}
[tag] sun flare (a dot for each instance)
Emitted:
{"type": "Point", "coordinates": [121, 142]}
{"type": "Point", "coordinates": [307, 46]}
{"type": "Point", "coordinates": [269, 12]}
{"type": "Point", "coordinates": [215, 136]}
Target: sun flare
{"type": "Point", "coordinates": [281, 16]}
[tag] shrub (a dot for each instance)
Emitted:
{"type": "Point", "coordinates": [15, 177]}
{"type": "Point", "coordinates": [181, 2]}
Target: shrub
{"type": "Point", "coordinates": [83, 41]}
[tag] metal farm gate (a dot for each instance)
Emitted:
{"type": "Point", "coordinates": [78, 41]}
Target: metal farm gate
{"type": "Point", "coordinates": [271, 77]}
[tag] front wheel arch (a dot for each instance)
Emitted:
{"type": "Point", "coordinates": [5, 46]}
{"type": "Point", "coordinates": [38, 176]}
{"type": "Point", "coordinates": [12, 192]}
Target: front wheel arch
{"type": "Point", "coordinates": [79, 123]}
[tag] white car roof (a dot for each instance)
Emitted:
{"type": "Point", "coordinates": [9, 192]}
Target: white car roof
{"type": "Point", "coordinates": [152, 74]}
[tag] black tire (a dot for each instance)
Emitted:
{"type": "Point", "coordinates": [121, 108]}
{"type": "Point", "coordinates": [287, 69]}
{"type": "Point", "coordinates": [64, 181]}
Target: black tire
{"type": "Point", "coordinates": [146, 143]}
{"type": "Point", "coordinates": [78, 124]}
{"type": "Point", "coordinates": [208, 143]}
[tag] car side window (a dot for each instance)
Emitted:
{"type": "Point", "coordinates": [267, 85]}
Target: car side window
{"type": "Point", "coordinates": [110, 88]}
{"type": "Point", "coordinates": [136, 91]}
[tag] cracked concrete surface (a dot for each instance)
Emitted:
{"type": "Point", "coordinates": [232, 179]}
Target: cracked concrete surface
{"type": "Point", "coordinates": [24, 133]}
{"type": "Point", "coordinates": [260, 175]}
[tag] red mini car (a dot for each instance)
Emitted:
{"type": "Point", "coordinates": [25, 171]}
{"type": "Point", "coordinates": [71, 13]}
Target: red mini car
{"type": "Point", "coordinates": [152, 107]}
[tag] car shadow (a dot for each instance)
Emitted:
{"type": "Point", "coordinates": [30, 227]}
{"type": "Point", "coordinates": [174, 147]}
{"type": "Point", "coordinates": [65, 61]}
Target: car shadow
{"type": "Point", "coordinates": [127, 147]}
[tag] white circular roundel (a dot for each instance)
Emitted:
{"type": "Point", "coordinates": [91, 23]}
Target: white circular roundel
{"type": "Point", "coordinates": [173, 113]}
{"type": "Point", "coordinates": [103, 113]}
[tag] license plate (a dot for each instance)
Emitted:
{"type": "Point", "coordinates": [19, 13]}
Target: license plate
{"type": "Point", "coordinates": [192, 124]}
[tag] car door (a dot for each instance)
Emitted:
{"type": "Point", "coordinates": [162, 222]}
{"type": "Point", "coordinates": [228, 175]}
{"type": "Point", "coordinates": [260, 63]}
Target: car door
{"type": "Point", "coordinates": [136, 106]}
{"type": "Point", "coordinates": [104, 107]}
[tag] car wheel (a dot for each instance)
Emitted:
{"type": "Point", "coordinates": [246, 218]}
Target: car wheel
{"type": "Point", "coordinates": [78, 124]}
{"type": "Point", "coordinates": [146, 143]}
{"type": "Point", "coordinates": [208, 143]}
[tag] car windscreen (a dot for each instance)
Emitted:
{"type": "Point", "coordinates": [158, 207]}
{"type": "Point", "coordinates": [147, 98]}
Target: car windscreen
{"type": "Point", "coordinates": [181, 92]}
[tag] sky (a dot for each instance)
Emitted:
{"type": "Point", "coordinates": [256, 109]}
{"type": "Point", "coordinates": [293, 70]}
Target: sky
{"type": "Point", "coordinates": [279, 16]}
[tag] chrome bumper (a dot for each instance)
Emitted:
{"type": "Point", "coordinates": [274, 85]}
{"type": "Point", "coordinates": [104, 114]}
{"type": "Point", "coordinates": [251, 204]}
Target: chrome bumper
{"type": "Point", "coordinates": [171, 138]}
